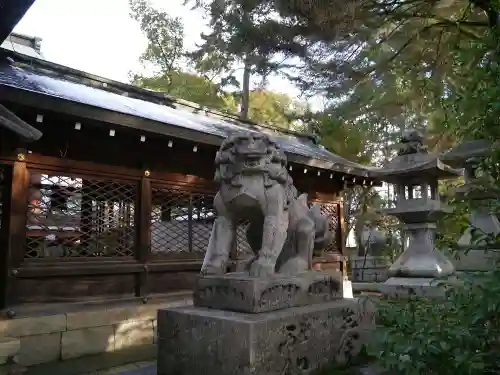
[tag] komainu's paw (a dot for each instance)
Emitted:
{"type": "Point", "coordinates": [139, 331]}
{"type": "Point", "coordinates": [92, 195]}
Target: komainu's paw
{"type": "Point", "coordinates": [260, 268]}
{"type": "Point", "coordinates": [210, 270]}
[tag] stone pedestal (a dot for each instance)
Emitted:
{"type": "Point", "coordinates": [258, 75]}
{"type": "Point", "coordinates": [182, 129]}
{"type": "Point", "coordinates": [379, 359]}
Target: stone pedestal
{"type": "Point", "coordinates": [416, 270]}
{"type": "Point", "coordinates": [297, 340]}
{"type": "Point", "coordinates": [404, 287]}
{"type": "Point", "coordinates": [240, 292]}
{"type": "Point", "coordinates": [421, 258]}
{"type": "Point", "coordinates": [241, 325]}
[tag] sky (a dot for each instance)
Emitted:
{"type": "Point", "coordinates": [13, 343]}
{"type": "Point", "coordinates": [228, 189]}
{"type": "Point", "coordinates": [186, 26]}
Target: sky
{"type": "Point", "coordinates": [99, 37]}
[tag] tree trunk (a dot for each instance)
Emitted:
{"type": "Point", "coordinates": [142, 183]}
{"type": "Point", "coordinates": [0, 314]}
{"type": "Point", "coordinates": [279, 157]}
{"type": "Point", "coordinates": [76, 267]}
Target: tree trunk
{"type": "Point", "coordinates": [245, 94]}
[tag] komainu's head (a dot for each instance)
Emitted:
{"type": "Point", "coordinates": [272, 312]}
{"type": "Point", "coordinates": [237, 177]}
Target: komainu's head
{"type": "Point", "coordinates": [249, 152]}
{"type": "Point", "coordinates": [249, 147]}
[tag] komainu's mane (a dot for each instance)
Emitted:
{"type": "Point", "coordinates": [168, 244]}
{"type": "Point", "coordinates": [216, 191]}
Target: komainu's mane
{"type": "Point", "coordinates": [228, 167]}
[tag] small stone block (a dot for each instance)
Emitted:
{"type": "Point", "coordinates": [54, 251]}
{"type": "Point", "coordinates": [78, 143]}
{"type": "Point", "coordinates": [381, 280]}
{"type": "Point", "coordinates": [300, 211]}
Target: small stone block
{"type": "Point", "coordinates": [243, 293]}
{"type": "Point", "coordinates": [406, 287]}
{"type": "Point", "coordinates": [294, 341]}
{"type": "Point", "coordinates": [86, 341]}
{"type": "Point", "coordinates": [39, 349]}
{"type": "Point", "coordinates": [33, 326]}
{"type": "Point", "coordinates": [9, 346]}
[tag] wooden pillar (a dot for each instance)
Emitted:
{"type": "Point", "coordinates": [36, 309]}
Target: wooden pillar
{"type": "Point", "coordinates": [143, 235]}
{"type": "Point", "coordinates": [86, 218]}
{"type": "Point", "coordinates": [341, 237]}
{"type": "Point", "coordinates": [190, 224]}
{"type": "Point", "coordinates": [14, 212]}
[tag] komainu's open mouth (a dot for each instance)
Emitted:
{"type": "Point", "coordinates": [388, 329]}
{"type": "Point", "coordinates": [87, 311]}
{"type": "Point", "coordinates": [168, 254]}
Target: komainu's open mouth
{"type": "Point", "coordinates": [252, 162]}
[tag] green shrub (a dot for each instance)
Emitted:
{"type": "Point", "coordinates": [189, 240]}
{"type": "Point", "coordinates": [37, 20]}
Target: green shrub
{"type": "Point", "coordinates": [458, 335]}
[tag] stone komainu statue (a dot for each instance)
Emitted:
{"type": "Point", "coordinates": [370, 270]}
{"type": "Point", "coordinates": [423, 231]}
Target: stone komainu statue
{"type": "Point", "coordinates": [255, 186]}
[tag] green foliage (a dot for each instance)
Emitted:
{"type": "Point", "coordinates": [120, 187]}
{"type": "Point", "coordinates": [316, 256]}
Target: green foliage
{"type": "Point", "coordinates": [213, 64]}
{"type": "Point", "coordinates": [360, 141]}
{"type": "Point", "coordinates": [459, 334]}
{"type": "Point", "coordinates": [265, 107]}
{"type": "Point", "coordinates": [189, 87]}
{"type": "Point", "coordinates": [382, 60]}
{"type": "Point", "coordinates": [232, 45]}
{"type": "Point", "coordinates": [270, 108]}
{"type": "Point", "coordinates": [350, 367]}
{"type": "Point", "coordinates": [233, 38]}
{"type": "Point", "coordinates": [165, 35]}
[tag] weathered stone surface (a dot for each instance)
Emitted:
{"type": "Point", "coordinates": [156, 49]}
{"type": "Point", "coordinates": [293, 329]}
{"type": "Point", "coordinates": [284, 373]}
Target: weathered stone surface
{"type": "Point", "coordinates": [243, 293]}
{"type": "Point", "coordinates": [150, 310]}
{"type": "Point", "coordinates": [133, 333]}
{"type": "Point", "coordinates": [476, 260]}
{"type": "Point", "coordinates": [415, 173]}
{"type": "Point", "coordinates": [39, 349]}
{"type": "Point", "coordinates": [369, 268]}
{"type": "Point", "coordinates": [85, 341]}
{"type": "Point", "coordinates": [96, 318]}
{"type": "Point", "coordinates": [403, 287]}
{"type": "Point", "coordinates": [100, 317]}
{"type": "Point", "coordinates": [194, 340]}
{"type": "Point", "coordinates": [255, 185]}
{"type": "Point", "coordinates": [33, 326]}
{"type": "Point", "coordinates": [9, 346]}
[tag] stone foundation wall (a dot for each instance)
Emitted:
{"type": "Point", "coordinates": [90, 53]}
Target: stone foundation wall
{"type": "Point", "coordinates": [72, 335]}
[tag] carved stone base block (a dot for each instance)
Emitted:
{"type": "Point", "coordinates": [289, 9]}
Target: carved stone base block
{"type": "Point", "coordinates": [403, 287]}
{"type": "Point", "coordinates": [240, 292]}
{"type": "Point", "coordinates": [298, 340]}
{"type": "Point", "coordinates": [421, 259]}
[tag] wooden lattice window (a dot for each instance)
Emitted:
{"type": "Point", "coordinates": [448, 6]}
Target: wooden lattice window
{"type": "Point", "coordinates": [332, 211]}
{"type": "Point", "coordinates": [243, 249]}
{"type": "Point", "coordinates": [72, 215]}
{"type": "Point", "coordinates": [181, 222]}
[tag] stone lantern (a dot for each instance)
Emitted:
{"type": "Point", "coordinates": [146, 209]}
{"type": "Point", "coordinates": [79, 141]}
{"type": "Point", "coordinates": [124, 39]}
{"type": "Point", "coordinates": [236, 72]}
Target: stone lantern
{"type": "Point", "coordinates": [467, 156]}
{"type": "Point", "coordinates": [415, 173]}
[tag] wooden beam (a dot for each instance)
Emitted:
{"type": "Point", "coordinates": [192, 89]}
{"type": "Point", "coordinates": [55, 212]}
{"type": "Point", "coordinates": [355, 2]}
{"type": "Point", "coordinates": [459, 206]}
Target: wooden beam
{"type": "Point", "coordinates": [11, 12]}
{"type": "Point", "coordinates": [52, 164]}
{"type": "Point", "coordinates": [14, 230]}
{"type": "Point", "coordinates": [109, 268]}
{"type": "Point", "coordinates": [13, 123]}
{"type": "Point", "coordinates": [143, 234]}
